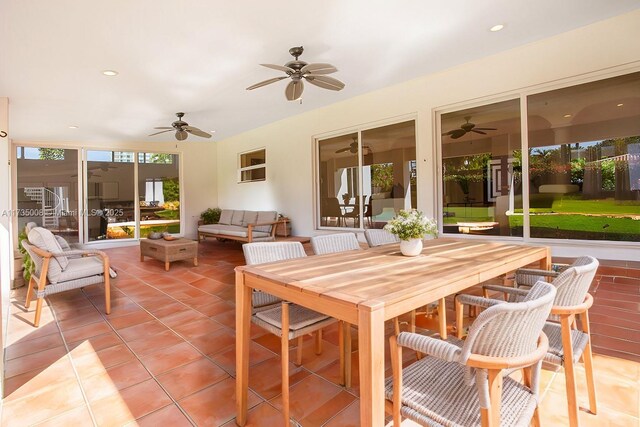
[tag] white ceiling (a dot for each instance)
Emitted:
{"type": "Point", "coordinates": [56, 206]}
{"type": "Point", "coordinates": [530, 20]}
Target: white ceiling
{"type": "Point", "coordinates": [199, 56]}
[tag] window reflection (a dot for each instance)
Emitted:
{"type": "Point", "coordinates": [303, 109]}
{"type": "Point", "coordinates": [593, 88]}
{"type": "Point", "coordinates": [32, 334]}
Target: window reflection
{"type": "Point", "coordinates": [481, 170]}
{"type": "Point", "coordinates": [584, 161]}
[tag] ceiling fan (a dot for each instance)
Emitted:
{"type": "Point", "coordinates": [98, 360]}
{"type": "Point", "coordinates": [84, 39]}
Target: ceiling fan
{"type": "Point", "coordinates": [298, 71]}
{"type": "Point", "coordinates": [182, 129]}
{"type": "Point", "coordinates": [353, 147]}
{"type": "Point", "coordinates": [466, 128]}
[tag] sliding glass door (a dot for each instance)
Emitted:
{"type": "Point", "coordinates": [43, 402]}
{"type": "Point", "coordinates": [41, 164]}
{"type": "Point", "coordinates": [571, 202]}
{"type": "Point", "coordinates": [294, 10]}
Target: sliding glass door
{"type": "Point", "coordinates": [159, 192]}
{"type": "Point", "coordinates": [110, 195]}
{"type": "Point", "coordinates": [47, 189]}
{"type": "Point", "coordinates": [365, 178]}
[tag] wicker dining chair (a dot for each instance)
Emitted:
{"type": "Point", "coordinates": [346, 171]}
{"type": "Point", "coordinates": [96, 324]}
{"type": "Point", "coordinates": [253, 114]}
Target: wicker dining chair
{"type": "Point", "coordinates": [57, 271]}
{"type": "Point", "coordinates": [463, 383]}
{"type": "Point", "coordinates": [333, 243]}
{"type": "Point", "coordinates": [284, 319]}
{"type": "Point", "coordinates": [378, 237]}
{"type": "Point", "coordinates": [567, 343]}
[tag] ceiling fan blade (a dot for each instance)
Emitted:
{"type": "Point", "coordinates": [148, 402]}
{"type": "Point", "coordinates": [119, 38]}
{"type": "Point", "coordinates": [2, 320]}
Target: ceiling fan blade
{"type": "Point", "coordinates": [197, 132]}
{"type": "Point", "coordinates": [266, 82]}
{"type": "Point", "coordinates": [294, 90]}
{"type": "Point", "coordinates": [324, 82]}
{"type": "Point", "coordinates": [478, 131]}
{"type": "Point", "coordinates": [455, 134]}
{"type": "Point", "coordinates": [164, 127]}
{"type": "Point", "coordinates": [181, 135]}
{"type": "Point", "coordinates": [342, 150]}
{"type": "Point", "coordinates": [162, 131]}
{"type": "Point", "coordinates": [287, 70]}
{"type": "Point", "coordinates": [485, 128]}
{"type": "Point", "coordinates": [319, 68]}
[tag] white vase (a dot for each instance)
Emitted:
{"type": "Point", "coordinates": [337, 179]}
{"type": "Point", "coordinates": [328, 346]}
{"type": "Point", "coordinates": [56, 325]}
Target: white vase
{"type": "Point", "coordinates": [411, 247]}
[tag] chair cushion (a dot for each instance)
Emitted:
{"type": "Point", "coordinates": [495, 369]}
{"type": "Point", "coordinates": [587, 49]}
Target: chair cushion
{"type": "Point", "coordinates": [64, 245]}
{"type": "Point", "coordinates": [265, 216]}
{"type": "Point", "coordinates": [229, 230]}
{"type": "Point", "coordinates": [225, 216]}
{"type": "Point", "coordinates": [250, 217]}
{"type": "Point", "coordinates": [82, 267]}
{"type": "Point", "coordinates": [45, 240]}
{"type": "Point", "coordinates": [237, 218]}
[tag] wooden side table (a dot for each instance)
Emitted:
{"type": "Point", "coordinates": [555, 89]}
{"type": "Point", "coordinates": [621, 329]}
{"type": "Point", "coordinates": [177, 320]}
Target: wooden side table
{"type": "Point", "coordinates": [283, 228]}
{"type": "Point", "coordinates": [168, 251]}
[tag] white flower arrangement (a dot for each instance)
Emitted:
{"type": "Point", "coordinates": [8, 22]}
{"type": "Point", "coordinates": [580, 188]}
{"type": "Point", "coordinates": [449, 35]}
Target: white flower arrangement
{"type": "Point", "coordinates": [412, 225]}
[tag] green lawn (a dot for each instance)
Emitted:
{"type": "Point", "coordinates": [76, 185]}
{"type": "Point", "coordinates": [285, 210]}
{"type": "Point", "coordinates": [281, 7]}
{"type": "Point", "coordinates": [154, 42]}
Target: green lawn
{"type": "Point", "coordinates": [581, 223]}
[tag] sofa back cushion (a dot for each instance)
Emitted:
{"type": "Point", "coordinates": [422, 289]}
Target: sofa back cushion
{"type": "Point", "coordinates": [250, 217]}
{"type": "Point", "coordinates": [266, 216]}
{"type": "Point", "coordinates": [225, 217]}
{"type": "Point", "coordinates": [237, 218]}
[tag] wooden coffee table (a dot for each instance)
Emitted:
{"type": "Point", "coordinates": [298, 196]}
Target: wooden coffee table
{"type": "Point", "coordinates": [169, 250]}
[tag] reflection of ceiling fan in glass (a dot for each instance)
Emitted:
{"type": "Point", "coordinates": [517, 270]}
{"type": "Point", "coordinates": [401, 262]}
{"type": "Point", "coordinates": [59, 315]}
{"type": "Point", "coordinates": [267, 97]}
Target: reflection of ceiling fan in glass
{"type": "Point", "coordinates": [466, 128]}
{"type": "Point", "coordinates": [353, 148]}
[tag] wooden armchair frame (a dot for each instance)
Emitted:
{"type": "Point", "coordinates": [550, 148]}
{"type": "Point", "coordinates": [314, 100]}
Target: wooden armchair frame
{"type": "Point", "coordinates": [43, 281]}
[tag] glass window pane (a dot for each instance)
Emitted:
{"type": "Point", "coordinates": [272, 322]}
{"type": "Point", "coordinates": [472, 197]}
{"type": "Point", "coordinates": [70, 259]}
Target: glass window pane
{"type": "Point", "coordinates": [110, 196]}
{"type": "Point", "coordinates": [481, 162]}
{"type": "Point", "coordinates": [584, 161]}
{"type": "Point", "coordinates": [159, 192]}
{"type": "Point", "coordinates": [253, 175]}
{"type": "Point", "coordinates": [338, 174]}
{"type": "Point", "coordinates": [388, 172]}
{"type": "Point", "coordinates": [47, 189]}
{"type": "Point", "coordinates": [252, 159]}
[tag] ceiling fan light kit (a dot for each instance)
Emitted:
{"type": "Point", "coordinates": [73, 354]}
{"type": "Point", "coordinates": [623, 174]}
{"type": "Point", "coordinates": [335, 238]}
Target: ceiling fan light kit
{"type": "Point", "coordinates": [182, 129]}
{"type": "Point", "coordinates": [299, 71]}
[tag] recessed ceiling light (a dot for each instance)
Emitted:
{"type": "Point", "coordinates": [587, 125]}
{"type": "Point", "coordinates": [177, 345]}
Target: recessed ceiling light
{"type": "Point", "coordinates": [110, 73]}
{"type": "Point", "coordinates": [73, 127]}
{"type": "Point", "coordinates": [566, 116]}
{"type": "Point", "coordinates": [212, 131]}
{"type": "Point", "coordinates": [496, 28]}
{"type": "Point", "coordinates": [620, 105]}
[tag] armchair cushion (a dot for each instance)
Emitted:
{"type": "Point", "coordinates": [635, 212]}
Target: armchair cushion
{"type": "Point", "coordinates": [82, 267]}
{"type": "Point", "coordinates": [64, 245]}
{"type": "Point", "coordinates": [44, 239]}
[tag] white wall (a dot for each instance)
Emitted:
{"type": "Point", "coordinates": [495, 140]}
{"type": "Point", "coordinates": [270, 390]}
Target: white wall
{"type": "Point", "coordinates": [6, 253]}
{"type": "Point", "coordinates": [198, 172]}
{"type": "Point", "coordinates": [289, 186]}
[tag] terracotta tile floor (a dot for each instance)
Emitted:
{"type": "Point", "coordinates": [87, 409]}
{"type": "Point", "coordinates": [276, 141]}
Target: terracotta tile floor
{"type": "Point", "coordinates": [165, 355]}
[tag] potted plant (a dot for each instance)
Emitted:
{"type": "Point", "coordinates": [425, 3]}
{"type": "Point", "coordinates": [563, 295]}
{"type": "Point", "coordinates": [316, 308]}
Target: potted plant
{"type": "Point", "coordinates": [211, 216]}
{"type": "Point", "coordinates": [411, 227]}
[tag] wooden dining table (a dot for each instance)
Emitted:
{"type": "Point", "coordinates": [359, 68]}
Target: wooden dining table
{"type": "Point", "coordinates": [368, 287]}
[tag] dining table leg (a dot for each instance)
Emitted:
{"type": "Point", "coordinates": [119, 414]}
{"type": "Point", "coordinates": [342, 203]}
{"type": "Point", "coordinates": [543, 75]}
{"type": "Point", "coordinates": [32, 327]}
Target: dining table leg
{"type": "Point", "coordinates": [371, 344]}
{"type": "Point", "coordinates": [243, 330]}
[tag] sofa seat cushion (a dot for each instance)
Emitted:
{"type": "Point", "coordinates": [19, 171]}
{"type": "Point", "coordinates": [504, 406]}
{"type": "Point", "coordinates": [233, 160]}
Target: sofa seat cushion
{"type": "Point", "coordinates": [229, 230]}
{"type": "Point", "coordinates": [225, 216]}
{"type": "Point", "coordinates": [81, 267]}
